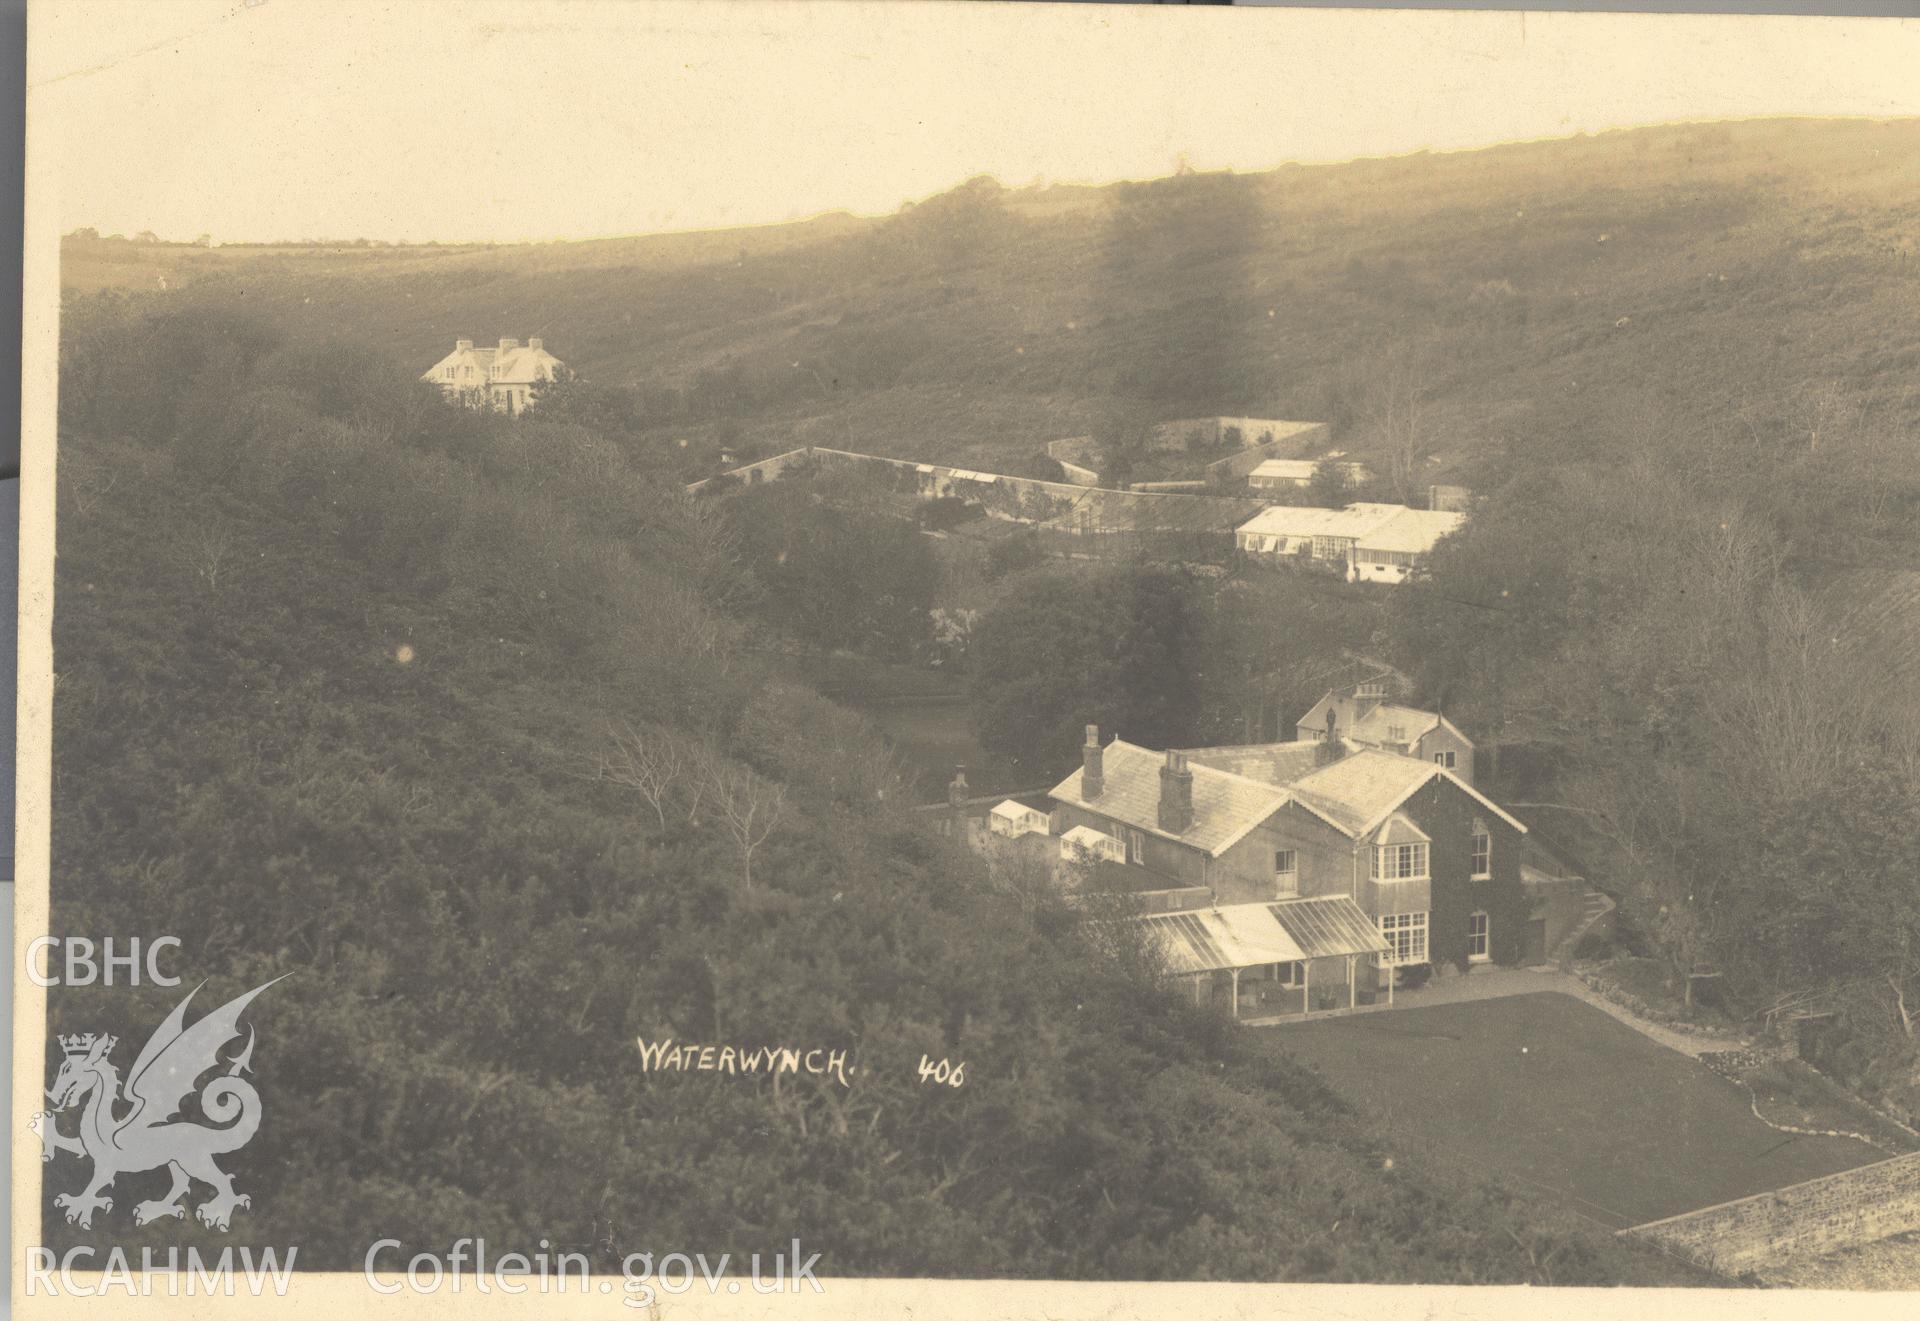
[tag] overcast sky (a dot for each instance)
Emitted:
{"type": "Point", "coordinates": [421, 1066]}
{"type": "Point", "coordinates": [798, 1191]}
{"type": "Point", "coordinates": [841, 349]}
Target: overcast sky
{"type": "Point", "coordinates": [538, 119]}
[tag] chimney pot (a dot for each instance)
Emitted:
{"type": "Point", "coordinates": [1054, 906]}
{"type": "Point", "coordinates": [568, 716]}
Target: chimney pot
{"type": "Point", "coordinates": [1092, 765]}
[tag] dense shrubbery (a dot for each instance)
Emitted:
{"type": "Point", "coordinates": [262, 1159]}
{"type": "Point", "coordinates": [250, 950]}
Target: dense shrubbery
{"type": "Point", "coordinates": [833, 574]}
{"type": "Point", "coordinates": [1678, 692]}
{"type": "Point", "coordinates": [435, 711]}
{"type": "Point", "coordinates": [1157, 656]}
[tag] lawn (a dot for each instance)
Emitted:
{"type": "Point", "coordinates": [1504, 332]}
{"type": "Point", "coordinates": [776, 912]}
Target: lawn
{"type": "Point", "coordinates": [1557, 1098]}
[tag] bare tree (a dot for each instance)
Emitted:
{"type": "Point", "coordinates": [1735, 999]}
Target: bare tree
{"type": "Point", "coordinates": [650, 761]}
{"type": "Point", "coordinates": [699, 533]}
{"type": "Point", "coordinates": [1399, 411]}
{"type": "Point", "coordinates": [748, 806]}
{"type": "Point", "coordinates": [206, 547]}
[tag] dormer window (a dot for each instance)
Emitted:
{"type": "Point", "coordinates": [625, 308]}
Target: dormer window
{"type": "Point", "coordinates": [1396, 733]}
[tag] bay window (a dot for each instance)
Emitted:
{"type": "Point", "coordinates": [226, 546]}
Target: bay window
{"type": "Point", "coordinates": [1400, 862]}
{"type": "Point", "coordinates": [1406, 933]}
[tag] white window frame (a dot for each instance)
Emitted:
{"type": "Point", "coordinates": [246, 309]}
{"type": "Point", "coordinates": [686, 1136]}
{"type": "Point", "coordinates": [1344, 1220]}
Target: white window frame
{"type": "Point", "coordinates": [1483, 937]}
{"type": "Point", "coordinates": [1482, 860]}
{"type": "Point", "coordinates": [1445, 760]}
{"type": "Point", "coordinates": [1406, 934]}
{"type": "Point", "coordinates": [1286, 881]}
{"type": "Point", "coordinates": [1136, 842]}
{"type": "Point", "coordinates": [1396, 733]}
{"type": "Point", "coordinates": [1410, 863]}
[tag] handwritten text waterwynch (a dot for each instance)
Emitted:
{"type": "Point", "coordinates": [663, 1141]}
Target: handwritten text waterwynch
{"type": "Point", "coordinates": [670, 1056]}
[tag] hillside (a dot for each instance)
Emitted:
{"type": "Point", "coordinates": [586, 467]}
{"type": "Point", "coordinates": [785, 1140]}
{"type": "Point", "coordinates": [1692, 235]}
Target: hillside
{"type": "Point", "coordinates": [359, 686]}
{"type": "Point", "coordinates": [1550, 292]}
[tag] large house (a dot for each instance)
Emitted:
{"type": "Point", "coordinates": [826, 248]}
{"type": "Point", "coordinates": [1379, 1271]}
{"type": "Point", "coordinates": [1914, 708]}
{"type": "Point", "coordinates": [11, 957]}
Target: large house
{"type": "Point", "coordinates": [1360, 713]}
{"type": "Point", "coordinates": [503, 378]}
{"type": "Point", "coordinates": [1322, 863]}
{"type": "Point", "coordinates": [1363, 542]}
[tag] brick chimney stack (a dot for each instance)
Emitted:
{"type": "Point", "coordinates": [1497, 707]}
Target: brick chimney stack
{"type": "Point", "coordinates": [1092, 776]}
{"type": "Point", "coordinates": [509, 345]}
{"type": "Point", "coordinates": [1176, 794]}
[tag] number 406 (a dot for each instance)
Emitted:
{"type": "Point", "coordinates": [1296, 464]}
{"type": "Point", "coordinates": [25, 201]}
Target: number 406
{"type": "Point", "coordinates": [953, 1075]}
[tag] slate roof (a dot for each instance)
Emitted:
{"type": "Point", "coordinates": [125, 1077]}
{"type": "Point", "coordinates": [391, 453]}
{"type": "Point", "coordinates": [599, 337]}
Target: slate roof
{"type": "Point", "coordinates": [1399, 830]}
{"type": "Point", "coordinates": [522, 366]}
{"type": "Point", "coordinates": [1302, 470]}
{"type": "Point", "coordinates": [1087, 838]}
{"type": "Point", "coordinates": [1375, 723]}
{"type": "Point", "coordinates": [1271, 763]}
{"type": "Point", "coordinates": [1359, 792]}
{"type": "Point", "coordinates": [1225, 806]}
{"type": "Point", "coordinates": [1297, 470]}
{"type": "Point", "coordinates": [1368, 526]}
{"type": "Point", "coordinates": [1412, 530]}
{"type": "Point", "coordinates": [1305, 521]}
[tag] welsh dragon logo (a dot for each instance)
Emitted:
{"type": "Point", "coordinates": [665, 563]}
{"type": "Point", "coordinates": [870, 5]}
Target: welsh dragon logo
{"type": "Point", "coordinates": [151, 1132]}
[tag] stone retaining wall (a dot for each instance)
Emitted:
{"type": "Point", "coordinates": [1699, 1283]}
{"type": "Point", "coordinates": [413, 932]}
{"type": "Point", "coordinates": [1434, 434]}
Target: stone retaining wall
{"type": "Point", "coordinates": [1838, 1211]}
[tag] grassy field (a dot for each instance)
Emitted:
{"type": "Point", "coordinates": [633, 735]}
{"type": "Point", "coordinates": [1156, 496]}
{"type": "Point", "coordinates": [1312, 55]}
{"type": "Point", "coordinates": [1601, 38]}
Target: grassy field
{"type": "Point", "coordinates": [1560, 1099]}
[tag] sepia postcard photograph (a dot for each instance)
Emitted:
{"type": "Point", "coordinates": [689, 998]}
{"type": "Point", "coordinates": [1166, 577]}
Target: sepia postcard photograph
{"type": "Point", "coordinates": [816, 659]}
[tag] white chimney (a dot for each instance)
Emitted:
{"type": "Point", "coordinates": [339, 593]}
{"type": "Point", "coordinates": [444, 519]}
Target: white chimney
{"type": "Point", "coordinates": [534, 344]}
{"type": "Point", "coordinates": [509, 345]}
{"type": "Point", "coordinates": [460, 344]}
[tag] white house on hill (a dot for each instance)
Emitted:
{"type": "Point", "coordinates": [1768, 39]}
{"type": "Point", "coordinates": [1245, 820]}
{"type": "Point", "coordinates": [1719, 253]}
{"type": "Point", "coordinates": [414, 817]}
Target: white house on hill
{"type": "Point", "coordinates": [502, 377]}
